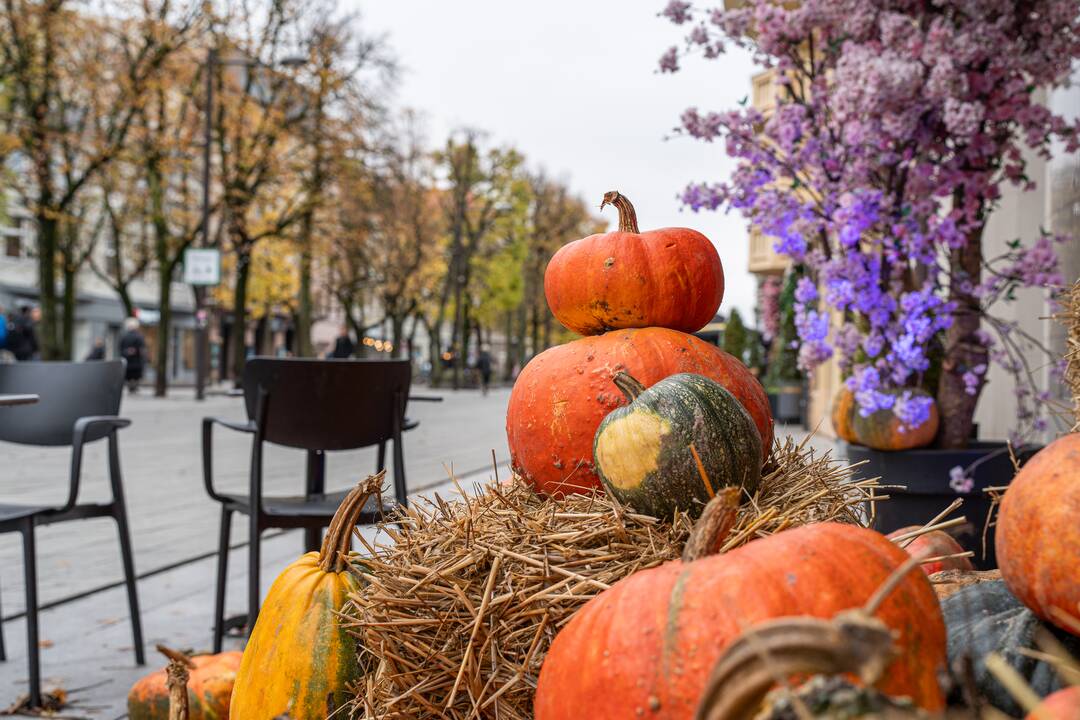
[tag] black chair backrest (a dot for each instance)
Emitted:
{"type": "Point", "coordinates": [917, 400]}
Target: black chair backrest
{"type": "Point", "coordinates": [68, 391]}
{"type": "Point", "coordinates": [327, 404]}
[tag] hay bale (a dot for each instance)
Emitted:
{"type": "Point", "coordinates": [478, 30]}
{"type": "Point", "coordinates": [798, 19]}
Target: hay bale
{"type": "Point", "coordinates": [460, 609]}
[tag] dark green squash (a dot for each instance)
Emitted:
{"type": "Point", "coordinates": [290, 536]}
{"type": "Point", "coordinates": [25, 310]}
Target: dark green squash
{"type": "Point", "coordinates": [642, 450]}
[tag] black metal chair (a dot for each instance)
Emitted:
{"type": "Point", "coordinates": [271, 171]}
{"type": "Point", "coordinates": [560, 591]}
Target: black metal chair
{"type": "Point", "coordinates": [318, 406]}
{"type": "Point", "coordinates": [79, 405]}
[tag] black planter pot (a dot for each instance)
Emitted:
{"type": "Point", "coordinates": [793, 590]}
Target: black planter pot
{"type": "Point", "coordinates": [924, 475]}
{"type": "Point", "coordinates": [786, 404]}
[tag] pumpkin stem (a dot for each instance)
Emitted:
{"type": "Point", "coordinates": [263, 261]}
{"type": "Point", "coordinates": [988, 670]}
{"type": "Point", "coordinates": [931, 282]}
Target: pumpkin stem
{"type": "Point", "coordinates": [713, 527]}
{"type": "Point", "coordinates": [628, 385]}
{"type": "Point", "coordinates": [627, 214]}
{"type": "Point", "coordinates": [335, 546]}
{"type": "Point", "coordinates": [176, 680]}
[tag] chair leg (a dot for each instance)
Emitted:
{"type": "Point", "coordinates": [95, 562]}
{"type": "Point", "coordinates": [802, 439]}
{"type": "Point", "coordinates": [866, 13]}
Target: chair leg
{"type": "Point", "coordinates": [253, 571]}
{"type": "Point", "coordinates": [120, 515]}
{"type": "Point", "coordinates": [132, 584]}
{"type": "Point", "coordinates": [380, 463]}
{"type": "Point", "coordinates": [33, 650]}
{"type": "Point", "coordinates": [3, 651]}
{"type": "Point", "coordinates": [222, 578]}
{"type": "Point", "coordinates": [400, 488]}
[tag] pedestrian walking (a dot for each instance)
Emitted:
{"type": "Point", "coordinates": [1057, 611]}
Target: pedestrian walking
{"type": "Point", "coordinates": [343, 346]}
{"type": "Point", "coordinates": [133, 350]}
{"type": "Point", "coordinates": [97, 352]}
{"type": "Point", "coordinates": [21, 338]}
{"type": "Point", "coordinates": [483, 364]}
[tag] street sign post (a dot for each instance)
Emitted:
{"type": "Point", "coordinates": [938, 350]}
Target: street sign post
{"type": "Point", "coordinates": [202, 269]}
{"type": "Point", "coordinates": [202, 266]}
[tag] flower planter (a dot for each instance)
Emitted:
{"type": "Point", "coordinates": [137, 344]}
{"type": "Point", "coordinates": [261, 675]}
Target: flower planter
{"type": "Point", "coordinates": [787, 403]}
{"type": "Point", "coordinates": [924, 475]}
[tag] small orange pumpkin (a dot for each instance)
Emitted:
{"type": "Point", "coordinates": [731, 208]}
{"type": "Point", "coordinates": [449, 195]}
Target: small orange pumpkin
{"type": "Point", "coordinates": [935, 543]}
{"type": "Point", "coordinates": [1038, 533]}
{"type": "Point", "coordinates": [630, 279]}
{"type": "Point", "coordinates": [210, 685]}
{"type": "Point", "coordinates": [564, 393]}
{"type": "Point", "coordinates": [882, 430]}
{"type": "Point", "coordinates": [645, 647]}
{"type": "Point", "coordinates": [843, 413]}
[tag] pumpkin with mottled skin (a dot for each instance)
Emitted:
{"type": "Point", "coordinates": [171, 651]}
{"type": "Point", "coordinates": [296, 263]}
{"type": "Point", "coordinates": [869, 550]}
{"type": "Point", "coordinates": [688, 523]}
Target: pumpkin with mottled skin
{"type": "Point", "coordinates": [643, 451]}
{"type": "Point", "coordinates": [1062, 705]}
{"type": "Point", "coordinates": [645, 647]}
{"type": "Point", "coordinates": [562, 395]}
{"type": "Point", "coordinates": [299, 659]}
{"type": "Point", "coordinates": [935, 543]}
{"type": "Point", "coordinates": [1038, 532]}
{"type": "Point", "coordinates": [629, 279]}
{"type": "Point", "coordinates": [882, 430]}
{"type": "Point", "coordinates": [843, 414]}
{"type": "Point", "coordinates": [210, 685]}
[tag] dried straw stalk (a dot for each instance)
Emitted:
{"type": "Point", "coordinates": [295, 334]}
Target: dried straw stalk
{"type": "Point", "coordinates": [460, 609]}
{"type": "Point", "coordinates": [1069, 316]}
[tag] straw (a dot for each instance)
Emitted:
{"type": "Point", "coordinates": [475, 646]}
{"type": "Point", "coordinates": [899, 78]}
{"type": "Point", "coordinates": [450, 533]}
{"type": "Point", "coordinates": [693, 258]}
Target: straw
{"type": "Point", "coordinates": [462, 603]}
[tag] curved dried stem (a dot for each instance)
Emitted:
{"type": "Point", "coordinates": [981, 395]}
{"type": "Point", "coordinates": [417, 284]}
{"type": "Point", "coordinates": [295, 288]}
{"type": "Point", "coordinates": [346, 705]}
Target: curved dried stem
{"type": "Point", "coordinates": [335, 547]}
{"type": "Point", "coordinates": [627, 214]}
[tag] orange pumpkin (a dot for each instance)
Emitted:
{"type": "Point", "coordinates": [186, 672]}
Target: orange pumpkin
{"type": "Point", "coordinates": [882, 430]}
{"type": "Point", "coordinates": [843, 413]}
{"type": "Point", "coordinates": [563, 394]}
{"type": "Point", "coordinates": [210, 685]}
{"type": "Point", "coordinates": [645, 647]}
{"type": "Point", "coordinates": [1062, 705]}
{"type": "Point", "coordinates": [629, 279]}
{"type": "Point", "coordinates": [1038, 532]}
{"type": "Point", "coordinates": [935, 544]}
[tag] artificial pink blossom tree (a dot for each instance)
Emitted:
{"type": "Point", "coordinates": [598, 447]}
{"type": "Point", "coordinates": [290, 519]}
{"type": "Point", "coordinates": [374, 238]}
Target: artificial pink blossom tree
{"type": "Point", "coordinates": [896, 125]}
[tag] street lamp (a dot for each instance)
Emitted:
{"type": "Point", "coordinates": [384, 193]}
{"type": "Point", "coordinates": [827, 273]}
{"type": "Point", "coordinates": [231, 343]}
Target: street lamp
{"type": "Point", "coordinates": [201, 338]}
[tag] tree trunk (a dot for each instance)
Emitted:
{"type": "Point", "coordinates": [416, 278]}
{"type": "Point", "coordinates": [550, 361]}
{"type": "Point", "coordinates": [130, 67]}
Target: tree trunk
{"type": "Point", "coordinates": [48, 330]}
{"type": "Point", "coordinates": [243, 260]}
{"type": "Point", "coordinates": [535, 349]}
{"type": "Point", "coordinates": [161, 350]}
{"type": "Point", "coordinates": [303, 312]}
{"type": "Point", "coordinates": [125, 299]}
{"type": "Point", "coordinates": [67, 343]}
{"type": "Point", "coordinates": [397, 334]}
{"type": "Point", "coordinates": [963, 351]}
{"type": "Point", "coordinates": [547, 330]}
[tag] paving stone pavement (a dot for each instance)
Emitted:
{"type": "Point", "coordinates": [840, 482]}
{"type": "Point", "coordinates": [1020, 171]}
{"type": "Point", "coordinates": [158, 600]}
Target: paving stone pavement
{"type": "Point", "coordinates": [88, 642]}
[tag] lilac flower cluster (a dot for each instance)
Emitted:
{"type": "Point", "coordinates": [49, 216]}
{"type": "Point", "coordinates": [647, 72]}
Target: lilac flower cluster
{"type": "Point", "coordinates": [894, 128]}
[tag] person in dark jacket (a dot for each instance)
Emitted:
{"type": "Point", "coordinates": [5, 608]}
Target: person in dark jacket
{"type": "Point", "coordinates": [483, 364]}
{"type": "Point", "coordinates": [97, 352]}
{"type": "Point", "coordinates": [22, 340]}
{"type": "Point", "coordinates": [133, 350]}
{"type": "Point", "coordinates": [343, 346]}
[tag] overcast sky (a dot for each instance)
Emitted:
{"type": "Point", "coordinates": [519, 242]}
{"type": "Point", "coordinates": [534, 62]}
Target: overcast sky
{"type": "Point", "coordinates": [573, 85]}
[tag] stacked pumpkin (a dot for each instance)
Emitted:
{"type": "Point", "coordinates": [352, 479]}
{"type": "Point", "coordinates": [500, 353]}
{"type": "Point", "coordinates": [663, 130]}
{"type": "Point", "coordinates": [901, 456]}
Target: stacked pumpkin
{"type": "Point", "coordinates": [636, 297]}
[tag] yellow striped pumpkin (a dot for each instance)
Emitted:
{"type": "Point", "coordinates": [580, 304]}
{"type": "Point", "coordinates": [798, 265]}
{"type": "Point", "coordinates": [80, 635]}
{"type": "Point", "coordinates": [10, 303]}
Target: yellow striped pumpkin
{"type": "Point", "coordinates": [299, 659]}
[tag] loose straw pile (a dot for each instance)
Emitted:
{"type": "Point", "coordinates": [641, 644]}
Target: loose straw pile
{"type": "Point", "coordinates": [459, 610]}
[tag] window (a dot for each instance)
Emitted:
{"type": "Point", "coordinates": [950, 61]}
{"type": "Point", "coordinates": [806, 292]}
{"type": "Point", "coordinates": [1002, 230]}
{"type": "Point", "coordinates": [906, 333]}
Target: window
{"type": "Point", "coordinates": [13, 246]}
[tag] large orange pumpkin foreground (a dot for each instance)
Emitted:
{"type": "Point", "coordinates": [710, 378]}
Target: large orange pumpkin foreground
{"type": "Point", "coordinates": [1062, 705]}
{"type": "Point", "coordinates": [210, 685]}
{"type": "Point", "coordinates": [629, 279]}
{"type": "Point", "coordinates": [563, 394]}
{"type": "Point", "coordinates": [1038, 532]}
{"type": "Point", "coordinates": [645, 647]}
